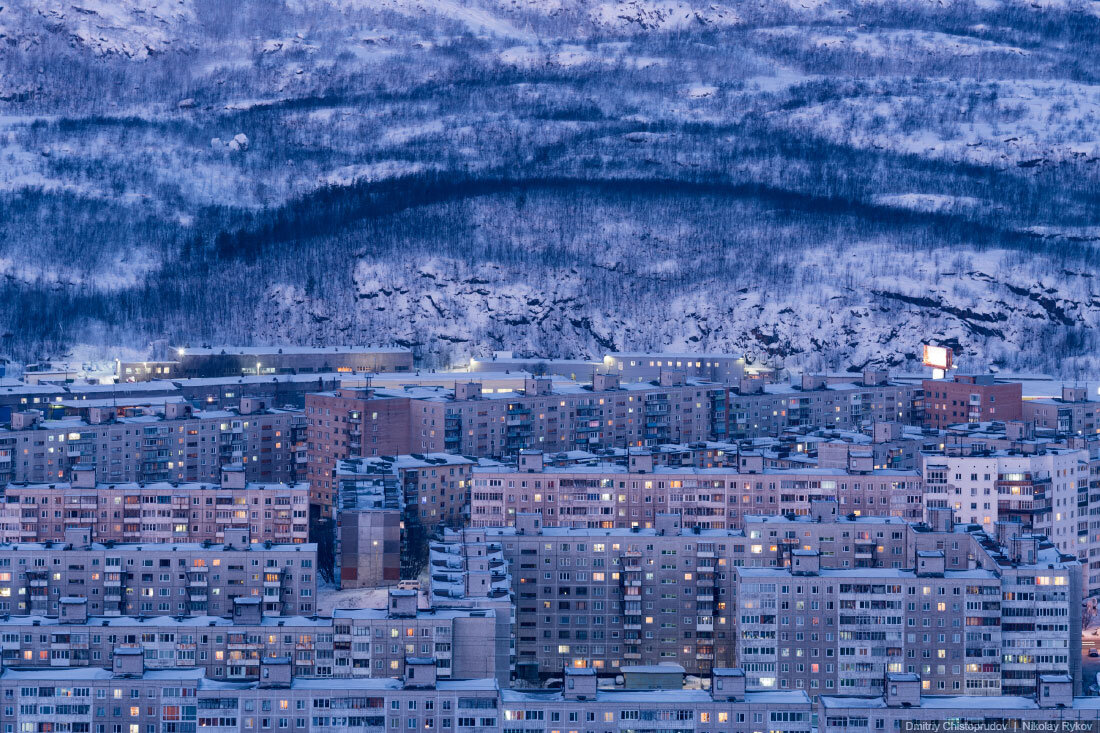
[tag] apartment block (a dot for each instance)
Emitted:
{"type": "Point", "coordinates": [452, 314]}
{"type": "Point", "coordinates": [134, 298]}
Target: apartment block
{"type": "Point", "coordinates": [468, 570]}
{"type": "Point", "coordinates": [155, 512]}
{"type": "Point", "coordinates": [553, 417]}
{"type": "Point", "coordinates": [350, 423]}
{"type": "Point", "coordinates": [759, 409]}
{"type": "Point", "coordinates": [180, 700]}
{"type": "Point", "coordinates": [971, 398]}
{"type": "Point", "coordinates": [350, 643]}
{"type": "Point", "coordinates": [609, 495]}
{"type": "Point", "coordinates": [990, 629]}
{"type": "Point", "coordinates": [369, 538]}
{"type": "Point", "coordinates": [380, 643]}
{"type": "Point", "coordinates": [163, 579]}
{"type": "Point", "coordinates": [603, 598]}
{"type": "Point", "coordinates": [1073, 413]}
{"type": "Point", "coordinates": [172, 442]}
{"type": "Point", "coordinates": [843, 541]}
{"type": "Point", "coordinates": [1047, 490]}
{"type": "Point", "coordinates": [904, 704]}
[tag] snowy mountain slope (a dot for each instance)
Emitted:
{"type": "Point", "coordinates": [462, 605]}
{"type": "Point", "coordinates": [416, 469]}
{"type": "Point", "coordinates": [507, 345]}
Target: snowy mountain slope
{"type": "Point", "coordinates": [828, 182]}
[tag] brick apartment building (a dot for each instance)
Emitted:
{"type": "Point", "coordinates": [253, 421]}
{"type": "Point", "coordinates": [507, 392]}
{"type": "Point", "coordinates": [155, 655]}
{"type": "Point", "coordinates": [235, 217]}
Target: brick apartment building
{"type": "Point", "coordinates": [971, 398]}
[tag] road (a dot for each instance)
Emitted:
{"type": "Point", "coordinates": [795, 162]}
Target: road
{"type": "Point", "coordinates": [1090, 666]}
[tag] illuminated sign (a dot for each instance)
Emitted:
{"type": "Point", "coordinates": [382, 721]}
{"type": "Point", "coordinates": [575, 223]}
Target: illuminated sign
{"type": "Point", "coordinates": [938, 357]}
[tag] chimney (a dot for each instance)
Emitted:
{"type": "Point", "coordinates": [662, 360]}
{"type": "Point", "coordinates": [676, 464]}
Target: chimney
{"type": "Point", "coordinates": [82, 477]}
{"type": "Point", "coordinates": [902, 690]}
{"type": "Point", "coordinates": [73, 610]}
{"type": "Point", "coordinates": [233, 476]}
{"type": "Point", "coordinates": [128, 662]}
{"type": "Point", "coordinates": [276, 672]}
{"type": "Point", "coordinates": [420, 672]}
{"type": "Point", "coordinates": [805, 562]}
{"type": "Point", "coordinates": [247, 610]}
{"type": "Point", "coordinates": [640, 460]}
{"type": "Point", "coordinates": [580, 684]}
{"type": "Point", "coordinates": [605, 382]}
{"type": "Point", "coordinates": [531, 461]}
{"type": "Point", "coordinates": [728, 684]}
{"type": "Point", "coordinates": [402, 603]}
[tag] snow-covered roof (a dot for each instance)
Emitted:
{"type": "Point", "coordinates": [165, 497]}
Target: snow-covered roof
{"type": "Point", "coordinates": [288, 350]}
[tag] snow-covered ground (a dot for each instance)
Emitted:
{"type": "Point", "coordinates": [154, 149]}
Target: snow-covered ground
{"type": "Point", "coordinates": [330, 598]}
{"type": "Point", "coordinates": [208, 122]}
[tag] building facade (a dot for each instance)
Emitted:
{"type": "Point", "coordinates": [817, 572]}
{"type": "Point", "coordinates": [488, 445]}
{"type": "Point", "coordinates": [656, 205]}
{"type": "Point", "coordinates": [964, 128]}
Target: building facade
{"type": "Point", "coordinates": [990, 629]}
{"type": "Point", "coordinates": [155, 512]}
{"type": "Point", "coordinates": [163, 579]}
{"type": "Point", "coordinates": [171, 443]}
{"type": "Point", "coordinates": [609, 495]}
{"type": "Point", "coordinates": [971, 398]}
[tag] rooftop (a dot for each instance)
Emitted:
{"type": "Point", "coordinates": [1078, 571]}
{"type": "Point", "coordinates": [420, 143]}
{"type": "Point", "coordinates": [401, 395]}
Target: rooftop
{"type": "Point", "coordinates": [287, 350]}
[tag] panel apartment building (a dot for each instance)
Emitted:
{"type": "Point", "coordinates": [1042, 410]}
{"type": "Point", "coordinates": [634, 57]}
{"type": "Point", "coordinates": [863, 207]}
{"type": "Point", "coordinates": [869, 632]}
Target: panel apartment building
{"type": "Point", "coordinates": [130, 697]}
{"type": "Point", "coordinates": [170, 443]}
{"type": "Point", "coordinates": [156, 512]}
{"type": "Point", "coordinates": [603, 598]}
{"type": "Point", "coordinates": [349, 423]}
{"type": "Point", "coordinates": [370, 538]}
{"type": "Point", "coordinates": [609, 495]}
{"type": "Point", "coordinates": [758, 409]}
{"type": "Point", "coordinates": [989, 629]}
{"type": "Point", "coordinates": [349, 643]}
{"type": "Point", "coordinates": [166, 579]}
{"type": "Point", "coordinates": [1047, 490]}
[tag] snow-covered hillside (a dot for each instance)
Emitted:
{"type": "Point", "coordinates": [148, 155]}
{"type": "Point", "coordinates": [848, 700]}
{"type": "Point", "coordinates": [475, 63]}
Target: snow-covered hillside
{"type": "Point", "coordinates": [822, 182]}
